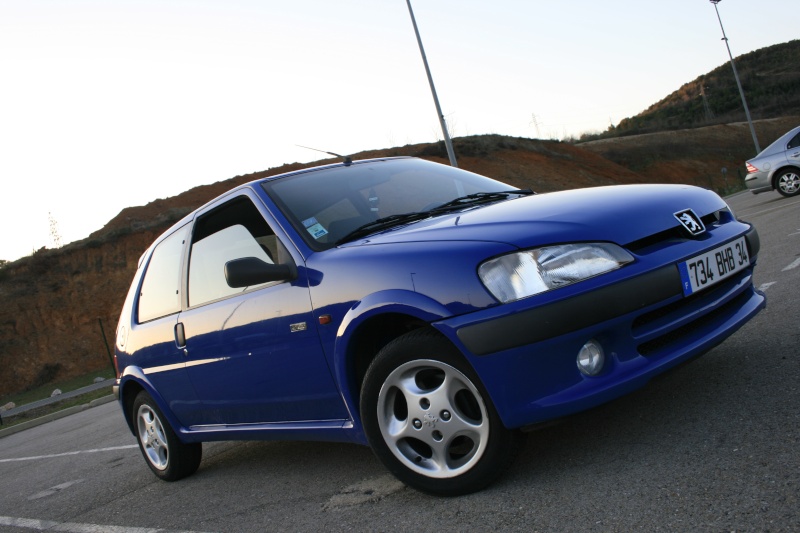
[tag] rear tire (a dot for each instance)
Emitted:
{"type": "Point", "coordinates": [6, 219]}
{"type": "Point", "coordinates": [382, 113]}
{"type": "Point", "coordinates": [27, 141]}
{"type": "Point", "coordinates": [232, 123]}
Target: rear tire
{"type": "Point", "coordinates": [168, 457]}
{"type": "Point", "coordinates": [788, 182]}
{"type": "Point", "coordinates": [430, 421]}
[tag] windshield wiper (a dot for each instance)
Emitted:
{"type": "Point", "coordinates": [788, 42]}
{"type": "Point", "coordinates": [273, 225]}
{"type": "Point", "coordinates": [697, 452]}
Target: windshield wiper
{"type": "Point", "coordinates": [477, 198]}
{"type": "Point", "coordinates": [407, 218]}
{"type": "Point", "coordinates": [383, 223]}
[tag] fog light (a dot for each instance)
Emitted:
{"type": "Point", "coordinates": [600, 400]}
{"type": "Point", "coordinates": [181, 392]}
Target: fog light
{"type": "Point", "coordinates": [591, 358]}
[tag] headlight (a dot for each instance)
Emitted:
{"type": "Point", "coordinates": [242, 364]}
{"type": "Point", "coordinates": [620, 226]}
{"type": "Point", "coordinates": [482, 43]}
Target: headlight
{"type": "Point", "coordinates": [522, 274]}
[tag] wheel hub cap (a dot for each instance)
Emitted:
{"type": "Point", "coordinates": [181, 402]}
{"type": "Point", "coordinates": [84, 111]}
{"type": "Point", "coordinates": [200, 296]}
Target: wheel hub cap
{"type": "Point", "coordinates": [433, 418]}
{"type": "Point", "coordinates": [789, 183]}
{"type": "Point", "coordinates": [152, 437]}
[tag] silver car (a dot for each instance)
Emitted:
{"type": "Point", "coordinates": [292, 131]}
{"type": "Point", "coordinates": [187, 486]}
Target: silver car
{"type": "Point", "coordinates": [777, 167]}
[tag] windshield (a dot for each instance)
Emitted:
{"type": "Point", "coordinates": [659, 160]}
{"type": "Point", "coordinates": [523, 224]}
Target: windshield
{"type": "Point", "coordinates": [326, 205]}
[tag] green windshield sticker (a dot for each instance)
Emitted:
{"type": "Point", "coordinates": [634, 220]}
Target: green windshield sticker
{"type": "Point", "coordinates": [314, 228]}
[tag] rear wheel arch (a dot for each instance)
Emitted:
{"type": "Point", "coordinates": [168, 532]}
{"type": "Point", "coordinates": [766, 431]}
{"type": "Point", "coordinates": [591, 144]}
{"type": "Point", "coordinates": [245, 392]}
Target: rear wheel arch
{"type": "Point", "coordinates": [164, 453]}
{"type": "Point", "coordinates": [776, 176]}
{"type": "Point", "coordinates": [127, 395]}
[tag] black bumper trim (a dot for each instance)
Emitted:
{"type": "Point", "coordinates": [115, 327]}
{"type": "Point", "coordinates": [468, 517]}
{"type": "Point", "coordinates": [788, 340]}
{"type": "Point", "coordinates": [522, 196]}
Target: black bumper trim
{"type": "Point", "coordinates": [753, 241]}
{"type": "Point", "coordinates": [572, 314]}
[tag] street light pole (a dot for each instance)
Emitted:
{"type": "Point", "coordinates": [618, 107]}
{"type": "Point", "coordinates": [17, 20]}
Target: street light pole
{"type": "Point", "coordinates": [450, 152]}
{"type": "Point", "coordinates": [736, 75]}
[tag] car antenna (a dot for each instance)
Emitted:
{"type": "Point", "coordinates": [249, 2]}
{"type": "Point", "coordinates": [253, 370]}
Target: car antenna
{"type": "Point", "coordinates": [345, 158]}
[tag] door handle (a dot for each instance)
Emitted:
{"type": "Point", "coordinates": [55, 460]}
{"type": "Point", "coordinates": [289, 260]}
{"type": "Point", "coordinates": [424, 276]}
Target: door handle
{"type": "Point", "coordinates": [180, 336]}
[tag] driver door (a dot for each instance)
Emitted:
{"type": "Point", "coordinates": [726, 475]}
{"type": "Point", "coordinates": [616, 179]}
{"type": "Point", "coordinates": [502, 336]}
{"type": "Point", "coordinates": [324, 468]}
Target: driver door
{"type": "Point", "coordinates": [253, 354]}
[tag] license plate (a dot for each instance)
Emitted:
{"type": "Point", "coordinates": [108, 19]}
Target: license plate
{"type": "Point", "coordinates": [711, 267]}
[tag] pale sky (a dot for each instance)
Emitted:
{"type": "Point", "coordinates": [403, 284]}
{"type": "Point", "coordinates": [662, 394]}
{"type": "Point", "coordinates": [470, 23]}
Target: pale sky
{"type": "Point", "coordinates": [107, 104]}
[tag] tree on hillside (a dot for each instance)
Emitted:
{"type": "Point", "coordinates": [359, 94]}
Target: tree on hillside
{"type": "Point", "coordinates": [770, 78]}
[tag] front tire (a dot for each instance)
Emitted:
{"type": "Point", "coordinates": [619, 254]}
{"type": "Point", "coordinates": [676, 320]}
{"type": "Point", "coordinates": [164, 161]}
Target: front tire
{"type": "Point", "coordinates": [788, 182]}
{"type": "Point", "coordinates": [168, 457]}
{"type": "Point", "coordinates": [429, 420]}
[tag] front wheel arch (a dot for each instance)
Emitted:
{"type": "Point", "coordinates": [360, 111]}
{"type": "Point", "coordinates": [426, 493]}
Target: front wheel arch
{"type": "Point", "coordinates": [370, 338]}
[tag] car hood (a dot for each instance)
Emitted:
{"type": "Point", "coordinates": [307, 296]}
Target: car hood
{"type": "Point", "coordinates": [620, 214]}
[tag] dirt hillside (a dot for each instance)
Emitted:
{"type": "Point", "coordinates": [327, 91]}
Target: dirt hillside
{"type": "Point", "coordinates": [695, 156]}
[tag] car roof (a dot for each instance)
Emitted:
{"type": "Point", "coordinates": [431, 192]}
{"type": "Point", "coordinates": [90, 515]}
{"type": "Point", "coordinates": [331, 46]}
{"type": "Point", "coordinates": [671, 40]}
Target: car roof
{"type": "Point", "coordinates": [328, 166]}
{"type": "Point", "coordinates": [780, 143]}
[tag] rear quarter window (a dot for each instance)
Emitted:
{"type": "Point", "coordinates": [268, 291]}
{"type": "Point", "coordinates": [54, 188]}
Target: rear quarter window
{"type": "Point", "coordinates": [160, 291]}
{"type": "Point", "coordinates": [794, 143]}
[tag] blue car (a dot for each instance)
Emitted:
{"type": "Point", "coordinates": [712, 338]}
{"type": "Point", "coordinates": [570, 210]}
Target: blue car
{"type": "Point", "coordinates": [428, 312]}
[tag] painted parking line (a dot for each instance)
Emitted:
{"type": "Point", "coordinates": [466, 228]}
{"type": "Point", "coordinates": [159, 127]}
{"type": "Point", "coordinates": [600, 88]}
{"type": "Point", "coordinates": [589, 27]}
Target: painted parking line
{"type": "Point", "coordinates": [765, 286]}
{"type": "Point", "coordinates": [68, 527]}
{"type": "Point", "coordinates": [795, 264]}
{"type": "Point", "coordinates": [65, 454]}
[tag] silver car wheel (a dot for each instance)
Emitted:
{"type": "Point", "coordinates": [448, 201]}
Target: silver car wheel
{"type": "Point", "coordinates": [152, 437]}
{"type": "Point", "coordinates": [789, 183]}
{"type": "Point", "coordinates": [432, 418]}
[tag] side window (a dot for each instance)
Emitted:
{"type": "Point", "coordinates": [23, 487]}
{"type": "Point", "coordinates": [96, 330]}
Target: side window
{"type": "Point", "coordinates": [160, 292]}
{"type": "Point", "coordinates": [232, 231]}
{"type": "Point", "coordinates": [794, 143]}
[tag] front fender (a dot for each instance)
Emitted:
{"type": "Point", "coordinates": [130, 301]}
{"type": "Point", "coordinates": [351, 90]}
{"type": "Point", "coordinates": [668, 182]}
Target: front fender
{"type": "Point", "coordinates": [394, 301]}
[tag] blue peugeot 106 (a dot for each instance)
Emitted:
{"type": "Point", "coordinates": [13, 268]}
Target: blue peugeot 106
{"type": "Point", "coordinates": [428, 312]}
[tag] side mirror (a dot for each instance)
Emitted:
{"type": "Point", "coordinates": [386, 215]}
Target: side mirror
{"type": "Point", "coordinates": [249, 271]}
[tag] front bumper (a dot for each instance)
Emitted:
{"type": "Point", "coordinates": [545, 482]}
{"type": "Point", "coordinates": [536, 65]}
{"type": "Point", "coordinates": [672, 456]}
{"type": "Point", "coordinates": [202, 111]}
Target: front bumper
{"type": "Point", "coordinates": [525, 355]}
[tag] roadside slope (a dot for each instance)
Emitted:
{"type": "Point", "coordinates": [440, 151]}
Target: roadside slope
{"type": "Point", "coordinates": [694, 156]}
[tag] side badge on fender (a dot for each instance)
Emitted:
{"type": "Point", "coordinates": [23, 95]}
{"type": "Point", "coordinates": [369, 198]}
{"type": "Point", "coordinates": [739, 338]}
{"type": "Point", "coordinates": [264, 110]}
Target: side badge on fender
{"type": "Point", "coordinates": [300, 326]}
